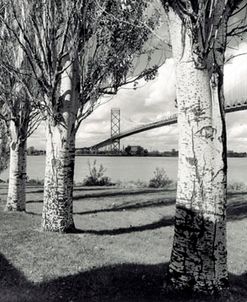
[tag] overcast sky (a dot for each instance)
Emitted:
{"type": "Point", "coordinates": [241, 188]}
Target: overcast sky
{"type": "Point", "coordinates": [155, 100]}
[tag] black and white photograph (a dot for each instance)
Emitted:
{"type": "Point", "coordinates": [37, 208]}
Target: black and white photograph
{"type": "Point", "coordinates": [123, 150]}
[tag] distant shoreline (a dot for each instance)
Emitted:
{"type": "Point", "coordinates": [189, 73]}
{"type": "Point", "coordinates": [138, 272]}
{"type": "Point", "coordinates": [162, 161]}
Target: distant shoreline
{"type": "Point", "coordinates": [121, 155]}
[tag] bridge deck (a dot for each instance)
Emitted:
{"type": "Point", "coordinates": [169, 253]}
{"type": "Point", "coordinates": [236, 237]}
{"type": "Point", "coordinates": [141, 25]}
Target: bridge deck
{"type": "Point", "coordinates": [165, 122]}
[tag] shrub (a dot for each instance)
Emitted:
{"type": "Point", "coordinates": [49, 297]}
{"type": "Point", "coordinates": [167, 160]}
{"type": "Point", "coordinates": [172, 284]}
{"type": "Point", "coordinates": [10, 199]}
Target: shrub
{"type": "Point", "coordinates": [35, 182]}
{"type": "Point", "coordinates": [237, 187]}
{"type": "Point", "coordinates": [96, 176]}
{"type": "Point", "coordinates": [160, 179]}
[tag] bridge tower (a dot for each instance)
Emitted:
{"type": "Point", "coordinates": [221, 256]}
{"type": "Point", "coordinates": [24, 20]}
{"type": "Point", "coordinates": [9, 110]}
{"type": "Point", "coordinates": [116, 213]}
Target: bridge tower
{"type": "Point", "coordinates": [115, 129]}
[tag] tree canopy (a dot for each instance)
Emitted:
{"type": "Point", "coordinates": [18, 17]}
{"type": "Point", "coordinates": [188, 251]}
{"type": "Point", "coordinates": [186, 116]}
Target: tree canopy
{"type": "Point", "coordinates": [102, 36]}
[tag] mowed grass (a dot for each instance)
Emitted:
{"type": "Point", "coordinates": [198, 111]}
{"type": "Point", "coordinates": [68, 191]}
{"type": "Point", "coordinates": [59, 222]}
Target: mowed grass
{"type": "Point", "coordinates": [120, 252]}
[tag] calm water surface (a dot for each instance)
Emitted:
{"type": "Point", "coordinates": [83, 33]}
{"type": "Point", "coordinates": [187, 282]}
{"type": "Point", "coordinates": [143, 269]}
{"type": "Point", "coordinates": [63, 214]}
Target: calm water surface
{"type": "Point", "coordinates": [129, 168]}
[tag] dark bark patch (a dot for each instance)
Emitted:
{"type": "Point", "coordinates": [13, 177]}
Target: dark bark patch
{"type": "Point", "coordinates": [198, 249]}
{"type": "Point", "coordinates": [207, 132]}
{"type": "Point", "coordinates": [13, 146]}
{"type": "Point", "coordinates": [192, 161]}
{"type": "Point", "coordinates": [197, 110]}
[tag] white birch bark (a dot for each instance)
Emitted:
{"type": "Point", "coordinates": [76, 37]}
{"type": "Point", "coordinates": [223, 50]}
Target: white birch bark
{"type": "Point", "coordinates": [16, 200]}
{"type": "Point", "coordinates": [60, 155]}
{"type": "Point", "coordinates": [198, 259]}
{"type": "Point", "coordinates": [20, 111]}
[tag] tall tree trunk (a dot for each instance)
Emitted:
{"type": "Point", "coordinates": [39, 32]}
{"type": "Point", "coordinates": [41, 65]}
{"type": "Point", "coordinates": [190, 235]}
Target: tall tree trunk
{"type": "Point", "coordinates": [60, 157]}
{"type": "Point", "coordinates": [199, 258]}
{"type": "Point", "coordinates": [16, 200]}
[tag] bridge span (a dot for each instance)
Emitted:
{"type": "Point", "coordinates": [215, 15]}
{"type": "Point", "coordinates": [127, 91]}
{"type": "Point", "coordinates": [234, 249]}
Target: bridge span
{"type": "Point", "coordinates": [165, 122]}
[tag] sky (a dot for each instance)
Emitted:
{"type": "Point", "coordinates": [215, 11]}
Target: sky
{"type": "Point", "coordinates": [153, 101]}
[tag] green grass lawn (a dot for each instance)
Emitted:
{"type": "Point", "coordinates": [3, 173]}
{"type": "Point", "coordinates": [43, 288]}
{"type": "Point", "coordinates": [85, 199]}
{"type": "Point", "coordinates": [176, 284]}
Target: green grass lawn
{"type": "Point", "coordinates": [120, 252]}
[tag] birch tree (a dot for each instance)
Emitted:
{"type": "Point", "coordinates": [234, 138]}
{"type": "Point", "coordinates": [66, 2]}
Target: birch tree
{"type": "Point", "coordinates": [22, 119]}
{"type": "Point", "coordinates": [19, 112]}
{"type": "Point", "coordinates": [198, 33]}
{"type": "Point", "coordinates": [78, 51]}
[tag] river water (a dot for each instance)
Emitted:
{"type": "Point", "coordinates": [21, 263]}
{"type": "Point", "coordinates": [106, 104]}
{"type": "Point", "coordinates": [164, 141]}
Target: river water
{"type": "Point", "coordinates": [129, 168]}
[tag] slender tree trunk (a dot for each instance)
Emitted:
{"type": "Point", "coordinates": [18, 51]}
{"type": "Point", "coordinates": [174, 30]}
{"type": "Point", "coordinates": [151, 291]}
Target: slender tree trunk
{"type": "Point", "coordinates": [60, 157]}
{"type": "Point", "coordinates": [16, 200]}
{"type": "Point", "coordinates": [4, 146]}
{"type": "Point", "coordinates": [20, 111]}
{"type": "Point", "coordinates": [199, 258]}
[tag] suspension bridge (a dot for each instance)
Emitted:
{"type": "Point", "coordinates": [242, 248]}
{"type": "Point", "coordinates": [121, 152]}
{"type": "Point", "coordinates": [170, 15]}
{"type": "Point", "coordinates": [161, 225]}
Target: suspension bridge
{"type": "Point", "coordinates": [116, 135]}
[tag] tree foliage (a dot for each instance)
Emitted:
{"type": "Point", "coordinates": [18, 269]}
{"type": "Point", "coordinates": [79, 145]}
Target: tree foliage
{"type": "Point", "coordinates": [205, 21]}
{"type": "Point", "coordinates": [19, 93]}
{"type": "Point", "coordinates": [102, 36]}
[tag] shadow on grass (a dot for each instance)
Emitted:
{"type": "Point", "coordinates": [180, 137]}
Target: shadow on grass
{"type": "Point", "coordinates": [133, 206]}
{"type": "Point", "coordinates": [33, 213]}
{"type": "Point", "coordinates": [122, 207]}
{"type": "Point", "coordinates": [235, 211]}
{"type": "Point", "coordinates": [119, 283]}
{"type": "Point", "coordinates": [123, 192]}
{"type": "Point", "coordinates": [76, 189]}
{"type": "Point", "coordinates": [127, 282]}
{"type": "Point", "coordinates": [13, 284]}
{"type": "Point", "coordinates": [164, 222]}
{"type": "Point", "coordinates": [232, 193]}
{"type": "Point", "coordinates": [105, 193]}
